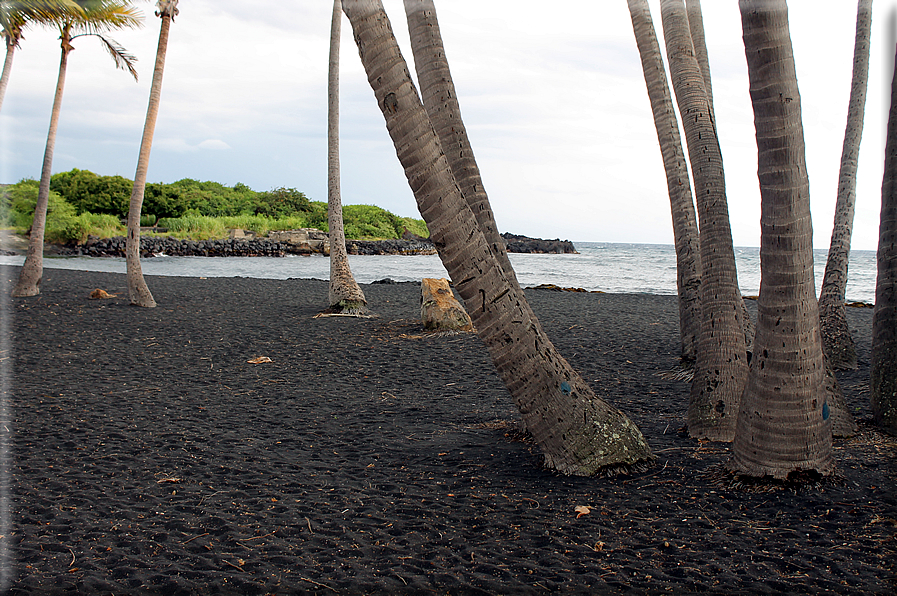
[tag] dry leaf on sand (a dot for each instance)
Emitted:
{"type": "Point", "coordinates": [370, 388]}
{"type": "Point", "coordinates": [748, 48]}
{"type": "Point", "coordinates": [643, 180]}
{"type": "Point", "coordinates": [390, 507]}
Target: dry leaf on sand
{"type": "Point", "coordinates": [259, 360]}
{"type": "Point", "coordinates": [582, 510]}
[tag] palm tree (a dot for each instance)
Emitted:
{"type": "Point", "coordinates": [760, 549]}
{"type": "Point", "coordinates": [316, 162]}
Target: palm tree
{"type": "Point", "coordinates": [16, 15]}
{"type": "Point", "coordinates": [721, 364]}
{"type": "Point", "coordinates": [578, 432]}
{"type": "Point", "coordinates": [696, 28]}
{"type": "Point", "coordinates": [837, 342]}
{"type": "Point", "coordinates": [685, 225]}
{"type": "Point", "coordinates": [784, 423]}
{"type": "Point", "coordinates": [883, 384]}
{"type": "Point", "coordinates": [345, 296]}
{"type": "Point", "coordinates": [98, 17]}
{"type": "Point", "coordinates": [138, 292]}
{"type": "Point", "coordinates": [441, 102]}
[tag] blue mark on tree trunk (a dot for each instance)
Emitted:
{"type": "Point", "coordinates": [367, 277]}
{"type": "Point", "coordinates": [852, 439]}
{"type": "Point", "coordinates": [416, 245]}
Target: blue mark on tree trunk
{"type": "Point", "coordinates": [565, 388]}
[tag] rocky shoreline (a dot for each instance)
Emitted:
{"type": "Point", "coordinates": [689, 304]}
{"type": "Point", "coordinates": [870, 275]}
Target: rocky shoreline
{"type": "Point", "coordinates": [295, 242]}
{"type": "Point", "coordinates": [237, 247]}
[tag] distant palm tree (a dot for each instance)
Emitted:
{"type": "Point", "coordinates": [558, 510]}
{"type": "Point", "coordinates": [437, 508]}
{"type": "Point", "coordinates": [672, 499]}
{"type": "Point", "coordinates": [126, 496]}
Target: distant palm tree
{"type": "Point", "coordinates": [98, 17]}
{"type": "Point", "coordinates": [837, 343]}
{"type": "Point", "coordinates": [784, 423]}
{"type": "Point", "coordinates": [138, 292]}
{"type": "Point", "coordinates": [16, 15]}
{"type": "Point", "coordinates": [883, 382]}
{"type": "Point", "coordinates": [344, 295]}
{"type": "Point", "coordinates": [578, 432]}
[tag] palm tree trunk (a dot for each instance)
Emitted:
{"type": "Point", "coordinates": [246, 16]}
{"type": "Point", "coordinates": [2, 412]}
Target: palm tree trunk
{"type": "Point", "coordinates": [138, 291]}
{"type": "Point", "coordinates": [345, 296]}
{"type": "Point", "coordinates": [784, 425]}
{"type": "Point", "coordinates": [7, 68]}
{"type": "Point", "coordinates": [721, 365]}
{"type": "Point", "coordinates": [578, 432]}
{"type": "Point", "coordinates": [33, 268]}
{"type": "Point", "coordinates": [883, 384]}
{"type": "Point", "coordinates": [441, 102]}
{"type": "Point", "coordinates": [685, 224]}
{"type": "Point", "coordinates": [696, 28]}
{"type": "Point", "coordinates": [837, 342]}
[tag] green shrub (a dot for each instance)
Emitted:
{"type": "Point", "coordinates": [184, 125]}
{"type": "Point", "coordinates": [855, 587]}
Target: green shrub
{"type": "Point", "coordinates": [280, 202]}
{"type": "Point", "coordinates": [21, 199]}
{"type": "Point", "coordinates": [88, 192]}
{"type": "Point", "coordinates": [415, 226]}
{"type": "Point", "coordinates": [147, 221]}
{"type": "Point", "coordinates": [194, 227]}
{"type": "Point", "coordinates": [78, 228]}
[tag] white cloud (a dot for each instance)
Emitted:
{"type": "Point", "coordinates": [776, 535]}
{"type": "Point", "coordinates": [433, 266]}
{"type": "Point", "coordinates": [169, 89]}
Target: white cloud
{"type": "Point", "coordinates": [214, 144]}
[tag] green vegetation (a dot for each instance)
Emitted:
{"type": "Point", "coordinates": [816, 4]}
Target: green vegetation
{"type": "Point", "coordinates": [83, 203]}
{"type": "Point", "coordinates": [63, 223]}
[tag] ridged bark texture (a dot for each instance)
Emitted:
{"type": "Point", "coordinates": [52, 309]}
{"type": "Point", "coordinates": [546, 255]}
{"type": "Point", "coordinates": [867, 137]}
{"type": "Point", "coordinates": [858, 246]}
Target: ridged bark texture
{"type": "Point", "coordinates": [441, 102]}
{"type": "Point", "coordinates": [696, 28]}
{"type": "Point", "coordinates": [682, 207]}
{"type": "Point", "coordinates": [837, 342]}
{"type": "Point", "coordinates": [883, 384]}
{"type": "Point", "coordinates": [7, 69]}
{"type": "Point", "coordinates": [32, 272]}
{"type": "Point", "coordinates": [784, 425]}
{"type": "Point", "coordinates": [344, 295]}
{"type": "Point", "coordinates": [721, 365]}
{"type": "Point", "coordinates": [578, 432]}
{"type": "Point", "coordinates": [138, 292]}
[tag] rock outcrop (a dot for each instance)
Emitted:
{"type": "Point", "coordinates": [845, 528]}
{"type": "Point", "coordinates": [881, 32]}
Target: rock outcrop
{"type": "Point", "coordinates": [306, 241]}
{"type": "Point", "coordinates": [525, 244]}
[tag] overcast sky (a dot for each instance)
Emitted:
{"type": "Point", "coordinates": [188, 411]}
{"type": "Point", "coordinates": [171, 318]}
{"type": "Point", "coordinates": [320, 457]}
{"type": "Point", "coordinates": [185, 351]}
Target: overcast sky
{"type": "Point", "coordinates": [552, 96]}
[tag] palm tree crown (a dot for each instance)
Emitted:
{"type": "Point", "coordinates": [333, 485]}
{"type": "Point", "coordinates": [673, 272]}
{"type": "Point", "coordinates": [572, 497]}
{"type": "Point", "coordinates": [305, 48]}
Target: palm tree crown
{"type": "Point", "coordinates": [15, 15]}
{"type": "Point", "coordinates": [98, 17]}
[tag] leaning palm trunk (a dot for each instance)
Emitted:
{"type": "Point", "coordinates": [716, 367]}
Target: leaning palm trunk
{"type": "Point", "coordinates": [837, 342]}
{"type": "Point", "coordinates": [578, 432]}
{"type": "Point", "coordinates": [784, 423]}
{"type": "Point", "coordinates": [7, 69]}
{"type": "Point", "coordinates": [345, 297]}
{"type": "Point", "coordinates": [138, 292]}
{"type": "Point", "coordinates": [883, 384]}
{"type": "Point", "coordinates": [441, 102]}
{"type": "Point", "coordinates": [685, 225]}
{"type": "Point", "coordinates": [721, 364]}
{"type": "Point", "coordinates": [33, 268]}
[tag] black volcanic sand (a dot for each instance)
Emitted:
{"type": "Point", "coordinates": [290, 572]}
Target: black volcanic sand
{"type": "Point", "coordinates": [149, 457]}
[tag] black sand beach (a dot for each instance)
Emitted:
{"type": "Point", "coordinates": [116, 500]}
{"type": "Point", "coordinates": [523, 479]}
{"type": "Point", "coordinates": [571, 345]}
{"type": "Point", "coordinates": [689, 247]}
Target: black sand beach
{"type": "Point", "coordinates": [150, 457]}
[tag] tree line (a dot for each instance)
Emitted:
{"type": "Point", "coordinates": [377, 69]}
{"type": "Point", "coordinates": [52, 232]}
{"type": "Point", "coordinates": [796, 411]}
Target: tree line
{"type": "Point", "coordinates": [82, 202]}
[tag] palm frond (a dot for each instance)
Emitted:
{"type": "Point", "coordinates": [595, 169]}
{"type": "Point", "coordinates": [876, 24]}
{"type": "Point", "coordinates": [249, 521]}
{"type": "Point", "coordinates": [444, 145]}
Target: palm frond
{"type": "Point", "coordinates": [101, 16]}
{"type": "Point", "coordinates": [15, 15]}
{"type": "Point", "coordinates": [122, 58]}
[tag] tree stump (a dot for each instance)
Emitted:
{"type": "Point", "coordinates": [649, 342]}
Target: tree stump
{"type": "Point", "coordinates": [439, 309]}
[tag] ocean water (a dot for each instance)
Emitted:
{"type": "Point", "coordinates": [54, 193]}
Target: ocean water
{"type": "Point", "coordinates": [608, 267]}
